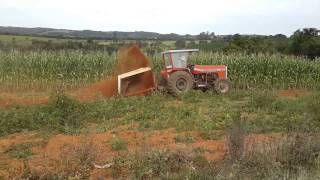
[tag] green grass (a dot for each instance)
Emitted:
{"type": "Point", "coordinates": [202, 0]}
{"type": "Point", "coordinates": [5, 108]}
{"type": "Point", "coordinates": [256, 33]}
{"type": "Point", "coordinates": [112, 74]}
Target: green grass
{"type": "Point", "coordinates": [27, 40]}
{"type": "Point", "coordinates": [187, 138]}
{"type": "Point", "coordinates": [20, 151]}
{"type": "Point", "coordinates": [194, 111]}
{"type": "Point", "coordinates": [118, 144]}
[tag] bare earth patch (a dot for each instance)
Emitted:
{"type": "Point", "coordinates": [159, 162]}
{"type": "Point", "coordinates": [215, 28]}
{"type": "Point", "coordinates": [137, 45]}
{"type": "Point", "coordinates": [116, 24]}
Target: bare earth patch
{"type": "Point", "coordinates": [49, 154]}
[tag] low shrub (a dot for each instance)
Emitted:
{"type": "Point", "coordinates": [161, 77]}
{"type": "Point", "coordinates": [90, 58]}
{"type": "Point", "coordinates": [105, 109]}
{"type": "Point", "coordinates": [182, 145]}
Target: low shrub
{"type": "Point", "coordinates": [118, 144]}
{"type": "Point", "coordinates": [64, 113]}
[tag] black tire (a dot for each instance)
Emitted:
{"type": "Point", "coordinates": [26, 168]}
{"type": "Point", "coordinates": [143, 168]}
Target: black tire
{"type": "Point", "coordinates": [162, 81]}
{"type": "Point", "coordinates": [162, 84]}
{"type": "Point", "coordinates": [222, 86]}
{"type": "Point", "coordinates": [179, 82]}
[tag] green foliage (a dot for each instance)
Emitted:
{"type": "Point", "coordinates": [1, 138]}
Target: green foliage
{"type": "Point", "coordinates": [307, 117]}
{"type": "Point", "coordinates": [306, 42]}
{"type": "Point", "coordinates": [17, 119]}
{"type": "Point", "coordinates": [236, 139]}
{"type": "Point", "coordinates": [265, 71]}
{"type": "Point", "coordinates": [186, 138]}
{"type": "Point", "coordinates": [194, 111]}
{"type": "Point", "coordinates": [159, 164]}
{"type": "Point", "coordinates": [280, 114]}
{"type": "Point", "coordinates": [47, 69]}
{"type": "Point", "coordinates": [312, 107]}
{"type": "Point", "coordinates": [64, 113]}
{"type": "Point", "coordinates": [248, 45]}
{"type": "Point", "coordinates": [118, 144]}
{"type": "Point", "coordinates": [171, 165]}
{"type": "Point", "coordinates": [180, 44]}
{"type": "Point", "coordinates": [20, 151]}
{"type": "Point", "coordinates": [264, 99]}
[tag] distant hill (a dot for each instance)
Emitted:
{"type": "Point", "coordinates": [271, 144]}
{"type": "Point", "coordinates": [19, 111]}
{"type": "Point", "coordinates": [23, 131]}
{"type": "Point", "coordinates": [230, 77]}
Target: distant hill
{"type": "Point", "coordinates": [85, 34]}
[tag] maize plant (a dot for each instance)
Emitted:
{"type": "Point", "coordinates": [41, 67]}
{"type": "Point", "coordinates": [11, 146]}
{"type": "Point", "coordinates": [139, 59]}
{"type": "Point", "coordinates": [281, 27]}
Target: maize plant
{"type": "Point", "coordinates": [262, 71]}
{"type": "Point", "coordinates": [46, 69]}
{"type": "Point", "coordinates": [43, 68]}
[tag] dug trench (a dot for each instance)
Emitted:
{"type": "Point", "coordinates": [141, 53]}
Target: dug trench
{"type": "Point", "coordinates": [128, 59]}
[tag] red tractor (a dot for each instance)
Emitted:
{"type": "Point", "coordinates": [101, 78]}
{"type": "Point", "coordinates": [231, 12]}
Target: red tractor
{"type": "Point", "coordinates": [178, 76]}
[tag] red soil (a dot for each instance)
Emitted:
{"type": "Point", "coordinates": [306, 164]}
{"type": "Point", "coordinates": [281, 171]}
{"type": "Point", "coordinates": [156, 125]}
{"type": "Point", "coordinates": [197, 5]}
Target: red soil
{"type": "Point", "coordinates": [49, 154]}
{"type": "Point", "coordinates": [292, 93]}
{"type": "Point", "coordinates": [7, 100]}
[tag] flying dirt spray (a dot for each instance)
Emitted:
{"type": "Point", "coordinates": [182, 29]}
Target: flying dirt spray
{"type": "Point", "coordinates": [128, 59]}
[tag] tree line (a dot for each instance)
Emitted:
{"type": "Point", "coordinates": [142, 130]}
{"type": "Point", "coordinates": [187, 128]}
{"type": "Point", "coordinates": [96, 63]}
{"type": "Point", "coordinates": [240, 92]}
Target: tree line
{"type": "Point", "coordinates": [304, 42]}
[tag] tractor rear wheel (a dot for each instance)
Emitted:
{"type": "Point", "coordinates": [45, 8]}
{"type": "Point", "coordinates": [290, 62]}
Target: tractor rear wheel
{"type": "Point", "coordinates": [179, 82]}
{"type": "Point", "coordinates": [162, 84]}
{"type": "Point", "coordinates": [222, 86]}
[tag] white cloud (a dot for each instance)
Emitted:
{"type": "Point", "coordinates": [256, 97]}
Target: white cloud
{"type": "Point", "coordinates": [188, 16]}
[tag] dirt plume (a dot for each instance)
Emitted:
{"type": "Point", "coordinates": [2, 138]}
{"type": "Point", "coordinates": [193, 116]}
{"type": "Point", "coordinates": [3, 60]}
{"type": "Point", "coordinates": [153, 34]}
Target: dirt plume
{"type": "Point", "coordinates": [128, 59]}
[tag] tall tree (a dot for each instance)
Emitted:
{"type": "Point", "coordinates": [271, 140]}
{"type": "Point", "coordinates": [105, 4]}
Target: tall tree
{"type": "Point", "coordinates": [306, 42]}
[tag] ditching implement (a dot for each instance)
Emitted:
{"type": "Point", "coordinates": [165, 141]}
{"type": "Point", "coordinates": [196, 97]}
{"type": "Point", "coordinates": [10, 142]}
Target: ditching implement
{"type": "Point", "coordinates": [124, 81]}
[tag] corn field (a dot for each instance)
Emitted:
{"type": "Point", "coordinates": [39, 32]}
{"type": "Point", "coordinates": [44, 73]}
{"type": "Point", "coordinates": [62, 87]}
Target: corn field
{"type": "Point", "coordinates": [266, 71]}
{"type": "Point", "coordinates": [44, 70]}
{"type": "Point", "coordinates": [262, 71]}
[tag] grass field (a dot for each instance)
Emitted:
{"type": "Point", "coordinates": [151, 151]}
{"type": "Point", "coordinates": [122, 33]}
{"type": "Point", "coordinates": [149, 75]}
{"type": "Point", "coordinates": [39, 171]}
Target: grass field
{"type": "Point", "coordinates": [267, 127]}
{"type": "Point", "coordinates": [27, 40]}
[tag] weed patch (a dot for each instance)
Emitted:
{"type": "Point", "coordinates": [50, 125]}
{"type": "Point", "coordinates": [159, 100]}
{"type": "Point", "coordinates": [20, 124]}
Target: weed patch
{"type": "Point", "coordinates": [20, 151]}
{"type": "Point", "coordinates": [197, 111]}
{"type": "Point", "coordinates": [118, 144]}
{"type": "Point", "coordinates": [65, 113]}
{"type": "Point", "coordinates": [187, 138]}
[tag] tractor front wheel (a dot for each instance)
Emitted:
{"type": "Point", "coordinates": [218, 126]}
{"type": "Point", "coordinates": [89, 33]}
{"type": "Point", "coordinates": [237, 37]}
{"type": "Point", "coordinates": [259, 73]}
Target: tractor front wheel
{"type": "Point", "coordinates": [179, 82]}
{"type": "Point", "coordinates": [222, 86]}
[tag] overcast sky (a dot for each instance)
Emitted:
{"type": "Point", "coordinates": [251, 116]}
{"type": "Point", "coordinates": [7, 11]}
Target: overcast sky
{"type": "Point", "coordinates": [165, 16]}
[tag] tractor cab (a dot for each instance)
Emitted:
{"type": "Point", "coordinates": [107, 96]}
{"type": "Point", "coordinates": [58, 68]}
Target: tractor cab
{"type": "Point", "coordinates": [177, 58]}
